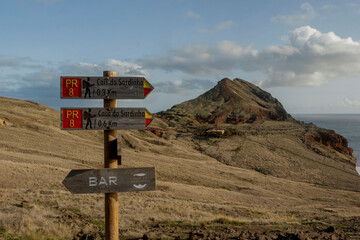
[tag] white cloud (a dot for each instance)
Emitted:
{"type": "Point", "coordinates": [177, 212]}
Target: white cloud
{"type": "Point", "coordinates": [24, 80]}
{"type": "Point", "coordinates": [224, 25]}
{"type": "Point", "coordinates": [121, 67]}
{"type": "Point", "coordinates": [191, 14]}
{"type": "Point", "coordinates": [309, 58]}
{"type": "Point", "coordinates": [43, 78]}
{"type": "Point", "coordinates": [187, 84]}
{"type": "Point", "coordinates": [355, 6]}
{"type": "Point", "coordinates": [218, 27]}
{"type": "Point", "coordinates": [351, 103]}
{"type": "Point", "coordinates": [125, 68]}
{"type": "Point", "coordinates": [328, 6]}
{"type": "Point", "coordinates": [7, 61]}
{"type": "Point", "coordinates": [305, 16]}
{"type": "Point", "coordinates": [84, 64]}
{"type": "Point", "coordinates": [41, 82]}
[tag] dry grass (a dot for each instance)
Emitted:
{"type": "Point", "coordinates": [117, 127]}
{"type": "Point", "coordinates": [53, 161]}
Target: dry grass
{"type": "Point", "coordinates": [32, 221]}
{"type": "Point", "coordinates": [193, 188]}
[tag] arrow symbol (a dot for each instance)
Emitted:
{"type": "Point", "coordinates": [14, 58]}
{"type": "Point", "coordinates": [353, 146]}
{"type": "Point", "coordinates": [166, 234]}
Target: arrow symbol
{"type": "Point", "coordinates": [148, 118]}
{"type": "Point", "coordinates": [108, 180]}
{"type": "Point", "coordinates": [147, 88]}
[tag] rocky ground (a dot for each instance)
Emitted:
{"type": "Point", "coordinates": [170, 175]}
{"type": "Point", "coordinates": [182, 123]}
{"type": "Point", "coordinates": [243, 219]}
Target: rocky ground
{"type": "Point", "coordinates": [345, 229]}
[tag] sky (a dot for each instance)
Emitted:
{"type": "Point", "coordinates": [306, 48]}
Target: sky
{"type": "Point", "coordinates": [305, 53]}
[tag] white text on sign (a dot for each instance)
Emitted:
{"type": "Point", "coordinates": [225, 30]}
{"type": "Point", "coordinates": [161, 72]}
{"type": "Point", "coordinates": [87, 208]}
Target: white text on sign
{"type": "Point", "coordinates": [93, 181]}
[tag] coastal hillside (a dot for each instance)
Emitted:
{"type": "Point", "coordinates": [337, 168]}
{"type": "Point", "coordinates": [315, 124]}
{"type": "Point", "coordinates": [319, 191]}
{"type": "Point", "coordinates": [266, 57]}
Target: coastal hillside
{"type": "Point", "coordinates": [267, 176]}
{"type": "Point", "coordinates": [233, 102]}
{"type": "Point", "coordinates": [260, 135]}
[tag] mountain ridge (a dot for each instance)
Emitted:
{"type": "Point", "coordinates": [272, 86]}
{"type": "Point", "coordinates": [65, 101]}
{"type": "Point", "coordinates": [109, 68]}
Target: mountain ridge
{"type": "Point", "coordinates": [230, 101]}
{"type": "Point", "coordinates": [238, 102]}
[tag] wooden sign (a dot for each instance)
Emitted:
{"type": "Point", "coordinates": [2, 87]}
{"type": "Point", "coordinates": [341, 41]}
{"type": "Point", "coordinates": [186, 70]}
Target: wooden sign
{"type": "Point", "coordinates": [104, 87]}
{"type": "Point", "coordinates": [104, 118]}
{"type": "Point", "coordinates": [110, 180]}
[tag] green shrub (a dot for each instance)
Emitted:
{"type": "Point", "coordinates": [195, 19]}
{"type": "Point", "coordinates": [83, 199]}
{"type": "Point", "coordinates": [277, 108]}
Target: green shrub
{"type": "Point", "coordinates": [201, 130]}
{"type": "Point", "coordinates": [230, 131]}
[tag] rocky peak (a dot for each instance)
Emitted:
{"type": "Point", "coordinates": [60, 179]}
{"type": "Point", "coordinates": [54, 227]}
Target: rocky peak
{"type": "Point", "coordinates": [230, 101]}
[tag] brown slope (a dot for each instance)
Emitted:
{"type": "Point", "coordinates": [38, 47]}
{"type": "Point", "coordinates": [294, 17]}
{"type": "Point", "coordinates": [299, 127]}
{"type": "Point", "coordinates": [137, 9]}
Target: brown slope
{"type": "Point", "coordinates": [192, 188]}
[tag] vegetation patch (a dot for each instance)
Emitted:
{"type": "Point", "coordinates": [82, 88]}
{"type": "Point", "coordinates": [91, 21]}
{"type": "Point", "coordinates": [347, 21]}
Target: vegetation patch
{"type": "Point", "coordinates": [215, 222]}
{"type": "Point", "coordinates": [76, 210]}
{"type": "Point", "coordinates": [215, 132]}
{"type": "Point", "coordinates": [262, 170]}
{"type": "Point", "coordinates": [272, 148]}
{"type": "Point", "coordinates": [169, 223]}
{"type": "Point", "coordinates": [98, 223]}
{"type": "Point", "coordinates": [201, 130]}
{"type": "Point", "coordinates": [312, 223]}
{"type": "Point", "coordinates": [224, 221]}
{"type": "Point", "coordinates": [34, 236]}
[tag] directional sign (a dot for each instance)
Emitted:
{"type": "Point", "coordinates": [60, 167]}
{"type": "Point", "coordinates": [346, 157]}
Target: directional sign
{"type": "Point", "coordinates": [104, 87]}
{"type": "Point", "coordinates": [109, 180]}
{"type": "Point", "coordinates": [104, 118]}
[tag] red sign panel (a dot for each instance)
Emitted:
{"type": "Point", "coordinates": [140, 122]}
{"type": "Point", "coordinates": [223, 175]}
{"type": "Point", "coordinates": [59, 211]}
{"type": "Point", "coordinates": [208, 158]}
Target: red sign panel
{"type": "Point", "coordinates": [72, 118]}
{"type": "Point", "coordinates": [71, 87]}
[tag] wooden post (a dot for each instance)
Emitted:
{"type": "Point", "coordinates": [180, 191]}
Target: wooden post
{"type": "Point", "coordinates": [111, 161]}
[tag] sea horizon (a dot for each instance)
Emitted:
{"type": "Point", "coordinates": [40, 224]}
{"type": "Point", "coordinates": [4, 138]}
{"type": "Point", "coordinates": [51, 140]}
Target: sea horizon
{"type": "Point", "coordinates": [355, 114]}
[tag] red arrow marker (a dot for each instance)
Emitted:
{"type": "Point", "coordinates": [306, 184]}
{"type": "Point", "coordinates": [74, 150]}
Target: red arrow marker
{"type": "Point", "coordinates": [147, 88]}
{"type": "Point", "coordinates": [148, 118]}
{"type": "Point", "coordinates": [147, 91]}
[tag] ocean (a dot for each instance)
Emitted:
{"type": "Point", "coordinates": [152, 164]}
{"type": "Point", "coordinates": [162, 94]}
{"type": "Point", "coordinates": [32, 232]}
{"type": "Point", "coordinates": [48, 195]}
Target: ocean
{"type": "Point", "coordinates": [347, 125]}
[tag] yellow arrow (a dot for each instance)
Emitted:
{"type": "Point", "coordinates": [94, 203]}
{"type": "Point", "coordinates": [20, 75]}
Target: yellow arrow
{"type": "Point", "coordinates": [147, 114]}
{"type": "Point", "coordinates": [147, 88]}
{"type": "Point", "coordinates": [147, 84]}
{"type": "Point", "coordinates": [148, 118]}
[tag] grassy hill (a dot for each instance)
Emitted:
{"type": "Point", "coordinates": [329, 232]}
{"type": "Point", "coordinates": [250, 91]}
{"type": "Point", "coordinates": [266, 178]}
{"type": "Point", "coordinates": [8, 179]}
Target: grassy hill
{"type": "Point", "coordinates": [269, 180]}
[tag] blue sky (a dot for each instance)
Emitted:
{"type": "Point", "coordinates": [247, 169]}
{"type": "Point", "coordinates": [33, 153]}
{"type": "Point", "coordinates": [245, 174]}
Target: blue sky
{"type": "Point", "coordinates": [305, 53]}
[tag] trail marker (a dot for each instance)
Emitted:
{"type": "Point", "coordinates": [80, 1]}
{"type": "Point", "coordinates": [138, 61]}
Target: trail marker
{"type": "Point", "coordinates": [104, 87]}
{"type": "Point", "coordinates": [104, 118]}
{"type": "Point", "coordinates": [110, 180]}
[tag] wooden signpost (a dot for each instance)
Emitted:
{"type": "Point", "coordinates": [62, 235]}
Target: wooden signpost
{"type": "Point", "coordinates": [111, 179]}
